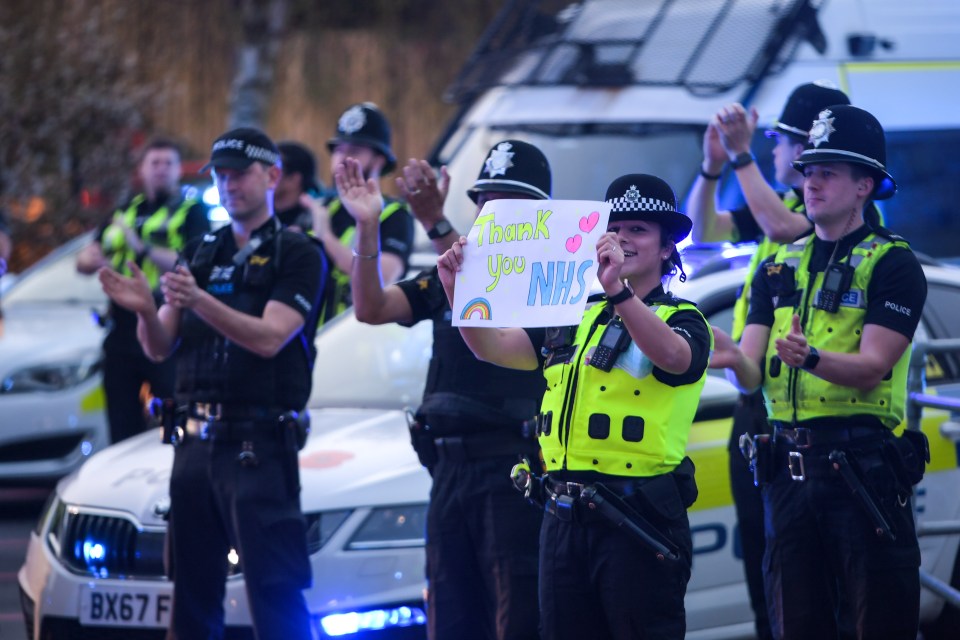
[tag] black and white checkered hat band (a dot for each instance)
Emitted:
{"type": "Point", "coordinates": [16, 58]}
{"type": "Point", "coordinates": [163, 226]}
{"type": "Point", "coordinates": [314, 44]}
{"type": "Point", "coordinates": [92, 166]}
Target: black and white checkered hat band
{"type": "Point", "coordinates": [639, 204]}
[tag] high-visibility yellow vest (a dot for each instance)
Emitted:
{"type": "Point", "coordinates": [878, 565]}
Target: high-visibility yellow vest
{"type": "Point", "coordinates": [615, 422]}
{"type": "Point", "coordinates": [798, 395]}
{"type": "Point", "coordinates": [114, 243]}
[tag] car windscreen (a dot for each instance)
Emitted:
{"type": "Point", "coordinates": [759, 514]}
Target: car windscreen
{"type": "Point", "coordinates": [56, 281]}
{"type": "Point", "coordinates": [366, 366]}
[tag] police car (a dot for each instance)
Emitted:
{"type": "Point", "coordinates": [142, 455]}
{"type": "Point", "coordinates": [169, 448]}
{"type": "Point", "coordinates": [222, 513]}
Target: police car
{"type": "Point", "coordinates": [51, 401]}
{"type": "Point", "coordinates": [94, 563]}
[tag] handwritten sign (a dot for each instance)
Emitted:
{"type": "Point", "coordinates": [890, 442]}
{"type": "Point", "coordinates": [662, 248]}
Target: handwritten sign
{"type": "Point", "coordinates": [529, 263]}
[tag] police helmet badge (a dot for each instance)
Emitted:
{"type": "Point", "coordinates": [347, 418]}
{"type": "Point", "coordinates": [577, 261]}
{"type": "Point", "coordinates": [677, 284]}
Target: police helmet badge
{"type": "Point", "coordinates": [500, 160]}
{"type": "Point", "coordinates": [632, 195]}
{"type": "Point", "coordinates": [352, 120]}
{"type": "Point", "coordinates": [822, 128]}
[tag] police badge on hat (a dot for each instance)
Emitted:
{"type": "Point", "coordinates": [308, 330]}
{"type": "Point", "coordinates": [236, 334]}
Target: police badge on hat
{"type": "Point", "coordinates": [632, 195]}
{"type": "Point", "coordinates": [499, 160]}
{"type": "Point", "coordinates": [822, 128]}
{"type": "Point", "coordinates": [352, 120]}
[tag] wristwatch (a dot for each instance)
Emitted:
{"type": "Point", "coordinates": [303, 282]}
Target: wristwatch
{"type": "Point", "coordinates": [440, 229]}
{"type": "Point", "coordinates": [741, 160]}
{"type": "Point", "coordinates": [812, 360]}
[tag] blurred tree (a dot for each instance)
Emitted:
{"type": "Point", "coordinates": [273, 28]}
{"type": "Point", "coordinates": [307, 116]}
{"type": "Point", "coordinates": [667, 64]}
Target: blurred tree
{"type": "Point", "coordinates": [69, 104]}
{"type": "Point", "coordinates": [263, 24]}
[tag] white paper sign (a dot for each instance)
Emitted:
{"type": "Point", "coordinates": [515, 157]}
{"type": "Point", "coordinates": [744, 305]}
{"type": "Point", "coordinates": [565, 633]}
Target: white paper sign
{"type": "Point", "coordinates": [529, 263]}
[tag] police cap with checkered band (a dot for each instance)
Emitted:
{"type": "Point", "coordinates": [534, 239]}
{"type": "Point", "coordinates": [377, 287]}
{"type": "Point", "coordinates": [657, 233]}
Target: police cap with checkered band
{"type": "Point", "coordinates": [517, 167]}
{"type": "Point", "coordinates": [639, 196]}
{"type": "Point", "coordinates": [843, 133]}
{"type": "Point", "coordinates": [364, 124]}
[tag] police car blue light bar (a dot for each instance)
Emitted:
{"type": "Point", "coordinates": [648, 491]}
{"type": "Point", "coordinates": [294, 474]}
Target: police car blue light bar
{"type": "Point", "coordinates": [342, 624]}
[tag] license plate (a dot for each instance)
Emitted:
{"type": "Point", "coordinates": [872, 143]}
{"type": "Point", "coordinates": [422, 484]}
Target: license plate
{"type": "Point", "coordinates": [106, 607]}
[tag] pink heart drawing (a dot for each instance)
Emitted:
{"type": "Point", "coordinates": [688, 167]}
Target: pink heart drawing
{"type": "Point", "coordinates": [574, 243]}
{"type": "Point", "coordinates": [587, 223]}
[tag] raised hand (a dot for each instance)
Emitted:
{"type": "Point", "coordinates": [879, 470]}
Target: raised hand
{"type": "Point", "coordinates": [610, 259]}
{"type": "Point", "coordinates": [448, 264]}
{"type": "Point", "coordinates": [423, 192]}
{"type": "Point", "coordinates": [361, 198]}
{"type": "Point", "coordinates": [132, 293]}
{"type": "Point", "coordinates": [736, 127]}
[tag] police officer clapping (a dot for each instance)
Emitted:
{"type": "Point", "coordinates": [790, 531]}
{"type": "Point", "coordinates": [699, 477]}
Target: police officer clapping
{"type": "Point", "coordinates": [241, 314]}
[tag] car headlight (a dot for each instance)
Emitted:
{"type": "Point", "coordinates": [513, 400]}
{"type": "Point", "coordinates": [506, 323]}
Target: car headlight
{"type": "Point", "coordinates": [53, 376]}
{"type": "Point", "coordinates": [393, 527]}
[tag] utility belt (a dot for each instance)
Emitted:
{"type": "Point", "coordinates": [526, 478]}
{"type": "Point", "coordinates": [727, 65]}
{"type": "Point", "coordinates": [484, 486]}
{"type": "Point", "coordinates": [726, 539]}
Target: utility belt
{"type": "Point", "coordinates": [226, 423]}
{"type": "Point", "coordinates": [641, 507]}
{"type": "Point", "coordinates": [233, 413]}
{"type": "Point", "coordinates": [491, 443]}
{"type": "Point", "coordinates": [870, 461]}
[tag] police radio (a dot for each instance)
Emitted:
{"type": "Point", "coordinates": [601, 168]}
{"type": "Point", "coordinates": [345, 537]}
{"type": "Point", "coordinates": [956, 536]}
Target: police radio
{"type": "Point", "coordinates": [614, 340]}
{"type": "Point", "coordinates": [836, 282]}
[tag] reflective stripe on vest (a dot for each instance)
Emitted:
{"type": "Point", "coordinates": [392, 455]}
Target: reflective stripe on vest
{"type": "Point", "coordinates": [114, 243]}
{"type": "Point", "coordinates": [798, 395]}
{"type": "Point", "coordinates": [341, 279]}
{"type": "Point", "coordinates": [623, 422]}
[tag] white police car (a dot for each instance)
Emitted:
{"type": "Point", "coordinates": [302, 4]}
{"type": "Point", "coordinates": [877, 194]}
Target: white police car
{"type": "Point", "coordinates": [51, 401]}
{"type": "Point", "coordinates": [94, 563]}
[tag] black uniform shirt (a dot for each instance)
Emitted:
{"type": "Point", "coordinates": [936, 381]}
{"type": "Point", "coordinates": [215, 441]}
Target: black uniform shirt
{"type": "Point", "coordinates": [212, 369]}
{"type": "Point", "coordinates": [455, 371]}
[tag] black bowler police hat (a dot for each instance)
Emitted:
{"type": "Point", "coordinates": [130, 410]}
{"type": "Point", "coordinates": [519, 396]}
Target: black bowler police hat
{"type": "Point", "coordinates": [239, 148]}
{"type": "Point", "coordinates": [803, 106]}
{"type": "Point", "coordinates": [365, 124]}
{"type": "Point", "coordinates": [513, 166]}
{"type": "Point", "coordinates": [298, 159]}
{"type": "Point", "coordinates": [843, 133]}
{"type": "Point", "coordinates": [639, 196]}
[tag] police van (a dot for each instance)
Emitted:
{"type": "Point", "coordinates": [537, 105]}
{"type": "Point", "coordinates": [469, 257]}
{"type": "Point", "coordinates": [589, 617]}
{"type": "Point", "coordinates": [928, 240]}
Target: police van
{"type": "Point", "coordinates": [606, 87]}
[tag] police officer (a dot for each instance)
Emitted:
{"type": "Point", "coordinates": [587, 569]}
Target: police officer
{"type": "Point", "coordinates": [363, 134]}
{"type": "Point", "coordinates": [828, 335]}
{"type": "Point", "coordinates": [622, 390]}
{"type": "Point", "coordinates": [769, 218]}
{"type": "Point", "coordinates": [297, 188]}
{"type": "Point", "coordinates": [242, 317]}
{"type": "Point", "coordinates": [150, 230]}
{"type": "Point", "coordinates": [481, 536]}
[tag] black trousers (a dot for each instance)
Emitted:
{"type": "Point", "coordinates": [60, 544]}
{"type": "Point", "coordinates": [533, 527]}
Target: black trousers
{"type": "Point", "coordinates": [215, 504]}
{"type": "Point", "coordinates": [828, 574]}
{"type": "Point", "coordinates": [481, 553]}
{"type": "Point", "coordinates": [125, 369]}
{"type": "Point", "coordinates": [597, 583]}
{"type": "Point", "coordinates": [750, 416]}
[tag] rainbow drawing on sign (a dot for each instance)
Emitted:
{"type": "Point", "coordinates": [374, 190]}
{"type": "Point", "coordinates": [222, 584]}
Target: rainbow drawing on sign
{"type": "Point", "coordinates": [479, 308]}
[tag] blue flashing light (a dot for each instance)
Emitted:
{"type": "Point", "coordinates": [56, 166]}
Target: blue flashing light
{"type": "Point", "coordinates": [93, 552]}
{"type": "Point", "coordinates": [342, 624]}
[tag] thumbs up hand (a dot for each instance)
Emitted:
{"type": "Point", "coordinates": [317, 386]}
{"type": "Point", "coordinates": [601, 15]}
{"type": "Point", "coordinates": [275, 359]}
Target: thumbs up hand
{"type": "Point", "coordinates": [793, 349]}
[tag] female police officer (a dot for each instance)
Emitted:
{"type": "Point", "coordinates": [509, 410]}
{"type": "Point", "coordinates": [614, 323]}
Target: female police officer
{"type": "Point", "coordinates": [622, 389]}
